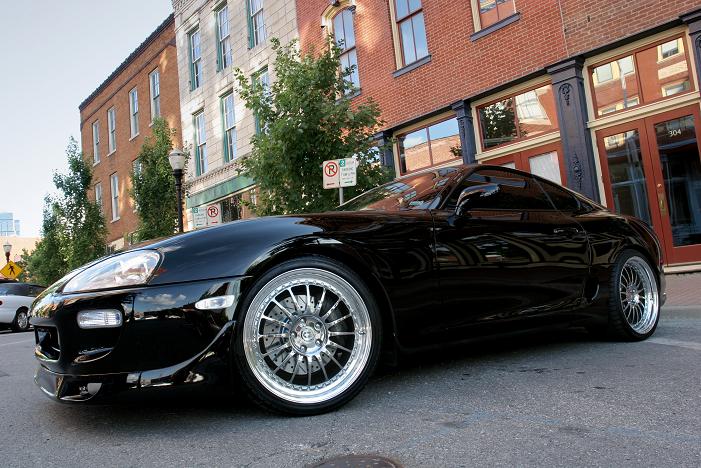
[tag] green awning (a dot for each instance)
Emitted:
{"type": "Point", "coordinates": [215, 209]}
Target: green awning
{"type": "Point", "coordinates": [220, 190]}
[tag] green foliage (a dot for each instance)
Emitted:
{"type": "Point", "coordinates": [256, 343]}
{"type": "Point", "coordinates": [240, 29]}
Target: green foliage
{"type": "Point", "coordinates": [153, 185]}
{"type": "Point", "coordinates": [307, 118]}
{"type": "Point", "coordinates": [73, 228]}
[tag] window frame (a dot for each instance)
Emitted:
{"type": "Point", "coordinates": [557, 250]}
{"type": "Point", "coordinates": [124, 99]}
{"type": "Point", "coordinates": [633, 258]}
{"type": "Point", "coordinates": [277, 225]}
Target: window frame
{"type": "Point", "coordinates": [195, 65]}
{"type": "Point", "coordinates": [521, 159]}
{"type": "Point", "coordinates": [134, 112]}
{"type": "Point", "coordinates": [477, 15]}
{"type": "Point", "coordinates": [424, 126]}
{"type": "Point", "coordinates": [96, 142]}
{"type": "Point", "coordinates": [253, 38]}
{"type": "Point", "coordinates": [155, 98]}
{"type": "Point", "coordinates": [255, 77]}
{"type": "Point", "coordinates": [98, 198]}
{"type": "Point", "coordinates": [111, 130]}
{"type": "Point", "coordinates": [114, 196]}
{"type": "Point", "coordinates": [633, 53]}
{"type": "Point", "coordinates": [397, 25]}
{"type": "Point", "coordinates": [230, 151]}
{"type": "Point", "coordinates": [346, 50]}
{"type": "Point", "coordinates": [200, 156]}
{"type": "Point", "coordinates": [222, 64]}
{"type": "Point", "coordinates": [504, 97]}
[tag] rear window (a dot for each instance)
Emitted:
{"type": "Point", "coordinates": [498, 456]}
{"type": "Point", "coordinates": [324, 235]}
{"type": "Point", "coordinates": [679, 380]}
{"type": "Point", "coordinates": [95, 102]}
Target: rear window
{"type": "Point", "coordinates": [13, 290]}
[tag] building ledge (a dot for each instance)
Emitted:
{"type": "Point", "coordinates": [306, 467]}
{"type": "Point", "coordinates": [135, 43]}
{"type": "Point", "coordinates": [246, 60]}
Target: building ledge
{"type": "Point", "coordinates": [496, 26]}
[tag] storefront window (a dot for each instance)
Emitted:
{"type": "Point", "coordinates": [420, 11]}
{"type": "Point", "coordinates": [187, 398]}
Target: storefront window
{"type": "Point", "coordinates": [231, 209]}
{"type": "Point", "coordinates": [642, 77]}
{"type": "Point", "coordinates": [428, 146]}
{"type": "Point", "coordinates": [516, 117]}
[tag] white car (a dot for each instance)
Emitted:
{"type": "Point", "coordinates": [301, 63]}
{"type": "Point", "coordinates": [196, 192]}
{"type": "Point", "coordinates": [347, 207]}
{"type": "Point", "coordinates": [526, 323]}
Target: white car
{"type": "Point", "coordinates": [15, 301]}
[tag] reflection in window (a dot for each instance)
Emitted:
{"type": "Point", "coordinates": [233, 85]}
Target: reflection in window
{"type": "Point", "coordinates": [412, 31]}
{"type": "Point", "coordinates": [655, 73]}
{"type": "Point", "coordinates": [345, 38]}
{"type": "Point", "coordinates": [430, 145]}
{"type": "Point", "coordinates": [493, 11]}
{"type": "Point", "coordinates": [627, 175]}
{"type": "Point", "coordinates": [524, 115]}
{"type": "Point", "coordinates": [546, 166]}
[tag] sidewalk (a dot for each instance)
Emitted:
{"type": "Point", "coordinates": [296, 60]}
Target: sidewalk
{"type": "Point", "coordinates": [684, 290]}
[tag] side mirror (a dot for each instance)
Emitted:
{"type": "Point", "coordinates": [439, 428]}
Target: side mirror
{"type": "Point", "coordinates": [470, 194]}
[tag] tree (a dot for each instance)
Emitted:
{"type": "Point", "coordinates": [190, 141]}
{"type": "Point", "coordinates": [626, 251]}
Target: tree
{"type": "Point", "coordinates": [153, 186]}
{"type": "Point", "coordinates": [73, 228]}
{"type": "Point", "coordinates": [306, 117]}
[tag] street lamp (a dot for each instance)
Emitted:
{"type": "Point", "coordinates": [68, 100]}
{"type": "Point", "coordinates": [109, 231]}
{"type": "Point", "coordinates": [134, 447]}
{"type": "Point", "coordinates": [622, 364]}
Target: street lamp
{"type": "Point", "coordinates": [176, 158]}
{"type": "Point", "coordinates": [7, 247]}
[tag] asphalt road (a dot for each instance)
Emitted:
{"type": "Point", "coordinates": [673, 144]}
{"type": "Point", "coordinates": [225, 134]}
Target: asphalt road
{"type": "Point", "coordinates": [558, 399]}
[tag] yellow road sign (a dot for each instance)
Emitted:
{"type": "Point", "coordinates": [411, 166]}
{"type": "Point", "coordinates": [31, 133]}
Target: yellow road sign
{"type": "Point", "coordinates": [11, 270]}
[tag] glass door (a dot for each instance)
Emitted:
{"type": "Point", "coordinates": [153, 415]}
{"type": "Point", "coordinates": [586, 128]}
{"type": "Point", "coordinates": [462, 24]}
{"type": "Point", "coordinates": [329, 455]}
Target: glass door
{"type": "Point", "coordinates": [652, 170]}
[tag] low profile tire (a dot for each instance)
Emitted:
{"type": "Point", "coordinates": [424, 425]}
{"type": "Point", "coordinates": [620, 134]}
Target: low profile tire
{"type": "Point", "coordinates": [308, 338]}
{"type": "Point", "coordinates": [634, 305]}
{"type": "Point", "coordinates": [21, 321]}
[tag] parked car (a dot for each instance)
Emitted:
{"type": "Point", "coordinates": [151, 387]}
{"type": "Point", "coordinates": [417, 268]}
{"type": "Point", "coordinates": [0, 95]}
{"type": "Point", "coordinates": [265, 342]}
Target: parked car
{"type": "Point", "coordinates": [15, 301]}
{"type": "Point", "coordinates": [299, 307]}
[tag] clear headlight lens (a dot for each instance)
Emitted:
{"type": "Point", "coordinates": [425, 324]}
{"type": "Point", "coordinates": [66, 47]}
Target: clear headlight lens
{"type": "Point", "coordinates": [127, 269]}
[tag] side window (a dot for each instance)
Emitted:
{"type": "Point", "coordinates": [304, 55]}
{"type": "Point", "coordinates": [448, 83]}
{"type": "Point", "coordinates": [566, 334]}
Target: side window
{"type": "Point", "coordinates": [501, 190]}
{"type": "Point", "coordinates": [562, 199]}
{"type": "Point", "coordinates": [36, 290]}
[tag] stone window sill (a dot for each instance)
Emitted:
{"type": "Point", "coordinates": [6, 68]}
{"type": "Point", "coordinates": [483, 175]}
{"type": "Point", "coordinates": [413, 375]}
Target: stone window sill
{"type": "Point", "coordinates": [412, 66]}
{"type": "Point", "coordinates": [496, 26]}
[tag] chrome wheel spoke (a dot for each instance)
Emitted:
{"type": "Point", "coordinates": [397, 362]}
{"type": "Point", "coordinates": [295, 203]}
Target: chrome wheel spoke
{"type": "Point", "coordinates": [283, 309]}
{"type": "Point", "coordinates": [336, 345]}
{"type": "Point", "coordinates": [341, 333]}
{"type": "Point", "coordinates": [638, 295]}
{"type": "Point", "coordinates": [279, 322]}
{"type": "Point", "coordinates": [320, 304]}
{"type": "Point", "coordinates": [330, 311]}
{"type": "Point", "coordinates": [337, 321]}
{"type": "Point", "coordinates": [322, 366]}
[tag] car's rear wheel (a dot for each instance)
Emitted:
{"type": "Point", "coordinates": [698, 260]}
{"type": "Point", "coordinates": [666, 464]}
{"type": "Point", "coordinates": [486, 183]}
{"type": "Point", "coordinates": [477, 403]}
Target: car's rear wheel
{"type": "Point", "coordinates": [634, 305]}
{"type": "Point", "coordinates": [21, 321]}
{"type": "Point", "coordinates": [310, 337]}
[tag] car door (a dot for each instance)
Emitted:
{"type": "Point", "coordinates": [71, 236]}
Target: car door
{"type": "Point", "coordinates": [505, 255]}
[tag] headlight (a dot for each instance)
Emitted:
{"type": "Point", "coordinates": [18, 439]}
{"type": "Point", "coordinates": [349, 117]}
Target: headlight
{"type": "Point", "coordinates": [127, 269]}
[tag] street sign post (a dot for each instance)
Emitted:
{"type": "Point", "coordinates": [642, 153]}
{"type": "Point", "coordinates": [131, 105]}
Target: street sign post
{"type": "Point", "coordinates": [11, 270]}
{"type": "Point", "coordinates": [339, 173]}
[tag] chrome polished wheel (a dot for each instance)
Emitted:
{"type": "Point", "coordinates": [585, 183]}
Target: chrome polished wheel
{"type": "Point", "coordinates": [22, 321]}
{"type": "Point", "coordinates": [307, 335]}
{"type": "Point", "coordinates": [638, 295]}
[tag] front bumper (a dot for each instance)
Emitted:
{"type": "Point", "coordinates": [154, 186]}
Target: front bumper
{"type": "Point", "coordinates": [163, 341]}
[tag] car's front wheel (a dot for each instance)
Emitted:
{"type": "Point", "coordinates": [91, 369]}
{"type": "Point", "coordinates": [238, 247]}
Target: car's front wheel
{"type": "Point", "coordinates": [21, 321]}
{"type": "Point", "coordinates": [310, 337]}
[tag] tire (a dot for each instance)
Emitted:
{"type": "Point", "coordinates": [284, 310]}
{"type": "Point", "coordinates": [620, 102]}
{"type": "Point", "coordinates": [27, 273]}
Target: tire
{"type": "Point", "coordinates": [21, 321]}
{"type": "Point", "coordinates": [308, 337]}
{"type": "Point", "coordinates": [634, 302]}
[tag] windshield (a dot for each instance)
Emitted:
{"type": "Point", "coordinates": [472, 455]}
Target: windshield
{"type": "Point", "coordinates": [415, 192]}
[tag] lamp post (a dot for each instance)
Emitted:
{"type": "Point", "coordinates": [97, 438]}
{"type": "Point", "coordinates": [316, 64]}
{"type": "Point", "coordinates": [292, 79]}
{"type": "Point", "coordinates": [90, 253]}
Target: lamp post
{"type": "Point", "coordinates": [7, 247]}
{"type": "Point", "coordinates": [176, 158]}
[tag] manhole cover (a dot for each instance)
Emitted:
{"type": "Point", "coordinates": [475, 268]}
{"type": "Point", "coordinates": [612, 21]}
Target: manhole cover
{"type": "Point", "coordinates": [358, 461]}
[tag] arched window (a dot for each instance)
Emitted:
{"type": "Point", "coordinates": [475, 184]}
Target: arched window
{"type": "Point", "coordinates": [344, 35]}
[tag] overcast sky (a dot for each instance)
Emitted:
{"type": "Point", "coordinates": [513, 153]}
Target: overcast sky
{"type": "Point", "coordinates": [54, 54]}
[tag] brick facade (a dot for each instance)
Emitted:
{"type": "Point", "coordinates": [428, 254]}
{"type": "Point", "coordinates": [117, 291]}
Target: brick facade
{"type": "Point", "coordinates": [158, 51]}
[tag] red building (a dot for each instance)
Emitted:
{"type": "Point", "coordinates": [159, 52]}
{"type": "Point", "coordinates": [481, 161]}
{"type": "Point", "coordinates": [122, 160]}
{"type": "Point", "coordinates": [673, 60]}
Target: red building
{"type": "Point", "coordinates": [600, 96]}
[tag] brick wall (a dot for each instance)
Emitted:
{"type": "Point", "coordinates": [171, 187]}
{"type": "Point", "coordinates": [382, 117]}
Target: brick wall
{"type": "Point", "coordinates": [156, 52]}
{"type": "Point", "coordinates": [461, 68]}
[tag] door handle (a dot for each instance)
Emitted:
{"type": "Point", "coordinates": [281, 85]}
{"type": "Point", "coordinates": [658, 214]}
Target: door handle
{"type": "Point", "coordinates": [568, 230]}
{"type": "Point", "coordinates": [661, 200]}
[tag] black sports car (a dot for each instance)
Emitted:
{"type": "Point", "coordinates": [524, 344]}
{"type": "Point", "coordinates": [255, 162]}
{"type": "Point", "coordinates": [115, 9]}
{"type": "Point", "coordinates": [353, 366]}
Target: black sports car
{"type": "Point", "coordinates": [298, 308]}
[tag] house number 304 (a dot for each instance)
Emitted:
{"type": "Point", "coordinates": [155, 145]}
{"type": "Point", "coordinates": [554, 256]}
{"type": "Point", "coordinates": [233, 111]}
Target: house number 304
{"type": "Point", "coordinates": [674, 132]}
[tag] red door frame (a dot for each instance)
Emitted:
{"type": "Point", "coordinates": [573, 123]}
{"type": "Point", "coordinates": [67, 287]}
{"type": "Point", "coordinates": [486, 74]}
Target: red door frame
{"type": "Point", "coordinates": [654, 182]}
{"type": "Point", "coordinates": [521, 159]}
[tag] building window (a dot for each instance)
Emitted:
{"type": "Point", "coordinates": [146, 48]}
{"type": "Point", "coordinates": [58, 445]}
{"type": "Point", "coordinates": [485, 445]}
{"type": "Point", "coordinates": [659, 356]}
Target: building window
{"type": "Point", "coordinates": [111, 130]}
{"type": "Point", "coordinates": [493, 11]}
{"type": "Point", "coordinates": [134, 112]}
{"type": "Point", "coordinates": [516, 117]}
{"type": "Point", "coordinates": [224, 42]}
{"type": "Point", "coordinates": [544, 161]}
{"type": "Point", "coordinates": [195, 59]}
{"type": "Point", "coordinates": [155, 84]}
{"type": "Point", "coordinates": [412, 31]}
{"type": "Point", "coordinates": [96, 142]}
{"type": "Point", "coordinates": [200, 144]}
{"type": "Point", "coordinates": [643, 76]}
{"type": "Point", "coordinates": [256, 22]}
{"type": "Point", "coordinates": [430, 145]}
{"type": "Point", "coordinates": [344, 35]}
{"type": "Point", "coordinates": [262, 79]}
{"type": "Point", "coordinates": [114, 190]}
{"type": "Point", "coordinates": [229, 122]}
{"type": "Point", "coordinates": [98, 195]}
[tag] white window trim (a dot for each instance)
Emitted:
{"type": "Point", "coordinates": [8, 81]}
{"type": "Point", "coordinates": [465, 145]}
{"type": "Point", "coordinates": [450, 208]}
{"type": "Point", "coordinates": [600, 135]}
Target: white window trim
{"type": "Point", "coordinates": [192, 60]}
{"type": "Point", "coordinates": [111, 126]}
{"type": "Point", "coordinates": [114, 200]}
{"type": "Point", "coordinates": [133, 113]}
{"type": "Point", "coordinates": [220, 39]}
{"type": "Point", "coordinates": [157, 73]}
{"type": "Point", "coordinates": [475, 7]}
{"type": "Point", "coordinates": [96, 142]}
{"type": "Point", "coordinates": [98, 200]}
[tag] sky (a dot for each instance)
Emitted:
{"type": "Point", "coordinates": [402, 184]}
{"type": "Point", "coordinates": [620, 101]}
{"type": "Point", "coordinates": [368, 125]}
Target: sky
{"type": "Point", "coordinates": [54, 54]}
